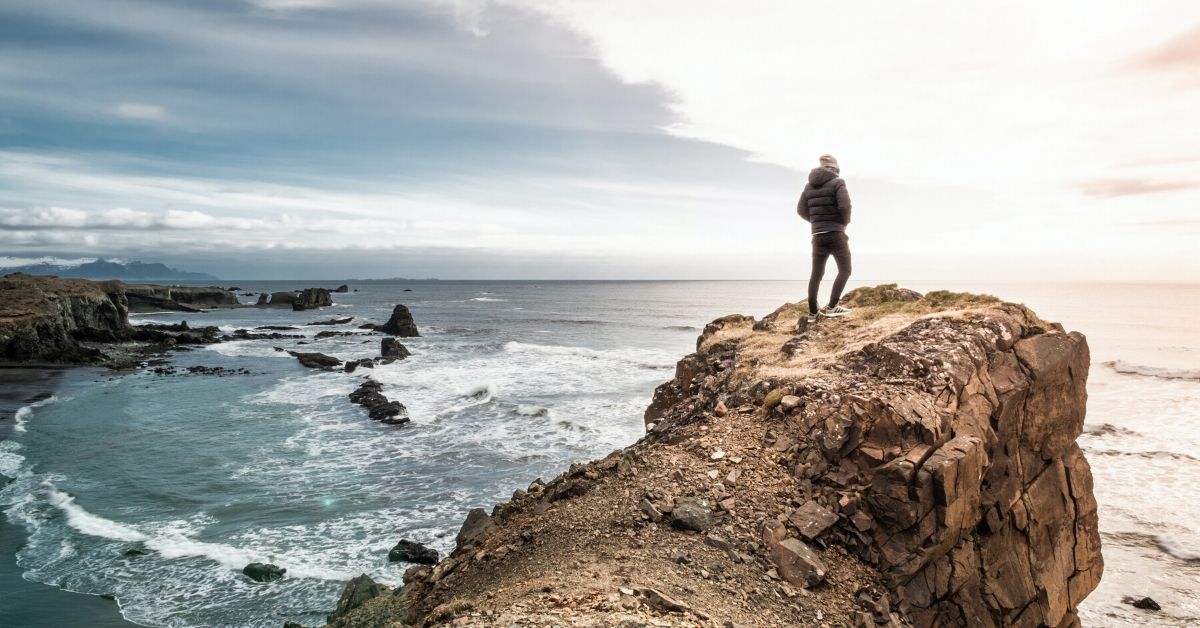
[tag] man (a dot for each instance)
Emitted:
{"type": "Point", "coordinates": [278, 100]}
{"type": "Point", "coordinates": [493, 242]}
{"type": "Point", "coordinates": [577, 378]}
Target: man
{"type": "Point", "coordinates": [826, 204]}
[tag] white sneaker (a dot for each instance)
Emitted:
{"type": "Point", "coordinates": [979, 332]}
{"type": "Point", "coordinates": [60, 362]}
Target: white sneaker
{"type": "Point", "coordinates": [834, 311]}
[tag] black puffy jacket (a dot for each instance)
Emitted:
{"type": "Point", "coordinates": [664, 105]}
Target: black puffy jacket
{"type": "Point", "coordinates": [825, 202]}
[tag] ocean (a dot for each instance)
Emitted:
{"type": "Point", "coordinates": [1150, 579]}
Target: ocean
{"type": "Point", "coordinates": [157, 489]}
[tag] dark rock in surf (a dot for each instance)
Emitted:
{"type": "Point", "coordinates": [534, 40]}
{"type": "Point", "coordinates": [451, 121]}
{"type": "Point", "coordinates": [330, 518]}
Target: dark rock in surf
{"type": "Point", "coordinates": [342, 288]}
{"type": "Point", "coordinates": [391, 348]}
{"type": "Point", "coordinates": [1144, 603]}
{"type": "Point", "coordinates": [334, 321]}
{"type": "Point", "coordinates": [263, 572]}
{"type": "Point", "coordinates": [400, 324]}
{"type": "Point", "coordinates": [413, 552]}
{"type": "Point", "coordinates": [379, 408]}
{"type": "Point", "coordinates": [316, 360]}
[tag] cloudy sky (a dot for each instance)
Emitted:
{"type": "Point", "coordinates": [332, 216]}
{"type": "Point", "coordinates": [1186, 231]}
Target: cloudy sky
{"type": "Point", "coordinates": [601, 139]}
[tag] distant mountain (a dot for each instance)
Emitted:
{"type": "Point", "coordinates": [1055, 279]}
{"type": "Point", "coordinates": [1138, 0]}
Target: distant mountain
{"type": "Point", "coordinates": [103, 269]}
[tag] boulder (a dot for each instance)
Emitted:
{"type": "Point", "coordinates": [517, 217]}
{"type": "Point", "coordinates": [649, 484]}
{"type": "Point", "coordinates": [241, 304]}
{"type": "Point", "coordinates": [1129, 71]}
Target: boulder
{"type": "Point", "coordinates": [413, 552]}
{"type": "Point", "coordinates": [342, 288]}
{"type": "Point", "coordinates": [334, 321]}
{"type": "Point", "coordinates": [691, 513]}
{"type": "Point", "coordinates": [263, 572]}
{"type": "Point", "coordinates": [812, 519]}
{"type": "Point", "coordinates": [391, 348]}
{"type": "Point", "coordinates": [797, 563]}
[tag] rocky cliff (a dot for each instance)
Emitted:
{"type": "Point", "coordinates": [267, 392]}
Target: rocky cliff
{"type": "Point", "coordinates": [913, 463]}
{"type": "Point", "coordinates": [46, 318]}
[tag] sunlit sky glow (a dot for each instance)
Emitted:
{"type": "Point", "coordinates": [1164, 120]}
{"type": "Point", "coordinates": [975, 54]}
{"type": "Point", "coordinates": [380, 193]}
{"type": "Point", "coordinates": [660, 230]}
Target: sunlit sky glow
{"type": "Point", "coordinates": [601, 139]}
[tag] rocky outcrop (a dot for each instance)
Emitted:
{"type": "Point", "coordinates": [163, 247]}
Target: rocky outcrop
{"type": "Point", "coordinates": [155, 298]}
{"type": "Point", "coordinates": [413, 552]}
{"type": "Point", "coordinates": [399, 324]}
{"type": "Point", "coordinates": [912, 464]}
{"type": "Point", "coordinates": [946, 449]}
{"type": "Point", "coordinates": [48, 319]}
{"type": "Point", "coordinates": [342, 288]}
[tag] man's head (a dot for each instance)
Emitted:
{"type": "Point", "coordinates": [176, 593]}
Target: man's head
{"type": "Point", "coordinates": [829, 161]}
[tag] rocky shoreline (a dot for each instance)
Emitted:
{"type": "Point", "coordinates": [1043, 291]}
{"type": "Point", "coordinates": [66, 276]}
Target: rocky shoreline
{"type": "Point", "coordinates": [913, 464]}
{"type": "Point", "coordinates": [51, 320]}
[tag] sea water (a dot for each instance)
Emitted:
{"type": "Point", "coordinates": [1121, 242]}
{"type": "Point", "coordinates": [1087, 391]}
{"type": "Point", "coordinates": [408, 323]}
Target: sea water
{"type": "Point", "coordinates": [158, 489]}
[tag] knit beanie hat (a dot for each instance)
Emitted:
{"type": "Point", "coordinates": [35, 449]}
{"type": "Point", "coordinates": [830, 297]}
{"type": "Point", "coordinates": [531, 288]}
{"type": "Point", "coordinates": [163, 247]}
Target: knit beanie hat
{"type": "Point", "coordinates": [829, 161]}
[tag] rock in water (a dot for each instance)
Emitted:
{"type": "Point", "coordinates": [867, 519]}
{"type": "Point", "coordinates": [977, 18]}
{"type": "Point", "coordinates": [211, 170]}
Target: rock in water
{"type": "Point", "coordinates": [391, 348]}
{"type": "Point", "coordinates": [400, 324]}
{"type": "Point", "coordinates": [413, 552]}
{"type": "Point", "coordinates": [356, 593]}
{"type": "Point", "coordinates": [379, 408]}
{"type": "Point", "coordinates": [316, 360]}
{"type": "Point", "coordinates": [263, 572]}
{"type": "Point", "coordinates": [1144, 603]}
{"type": "Point", "coordinates": [342, 288]}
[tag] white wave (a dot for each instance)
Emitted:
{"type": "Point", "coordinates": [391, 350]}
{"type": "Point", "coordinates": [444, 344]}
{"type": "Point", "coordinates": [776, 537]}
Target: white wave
{"type": "Point", "coordinates": [474, 396]}
{"type": "Point", "coordinates": [485, 299]}
{"type": "Point", "coordinates": [11, 462]}
{"type": "Point", "coordinates": [1177, 549]}
{"type": "Point", "coordinates": [525, 347]}
{"type": "Point", "coordinates": [246, 348]}
{"type": "Point", "coordinates": [88, 523]}
{"type": "Point", "coordinates": [173, 543]}
{"type": "Point", "coordinates": [1128, 368]}
{"type": "Point", "coordinates": [23, 413]}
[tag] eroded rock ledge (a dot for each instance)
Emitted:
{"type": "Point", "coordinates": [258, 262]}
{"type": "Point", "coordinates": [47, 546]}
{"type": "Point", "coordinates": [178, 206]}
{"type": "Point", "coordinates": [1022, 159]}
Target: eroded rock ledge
{"type": "Point", "coordinates": [912, 464]}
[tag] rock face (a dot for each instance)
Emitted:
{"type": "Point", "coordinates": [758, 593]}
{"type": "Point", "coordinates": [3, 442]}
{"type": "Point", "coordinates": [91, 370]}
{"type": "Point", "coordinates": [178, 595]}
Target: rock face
{"type": "Point", "coordinates": [911, 464]}
{"type": "Point", "coordinates": [154, 298]}
{"type": "Point", "coordinates": [46, 318]}
{"type": "Point", "coordinates": [400, 324]}
{"type": "Point", "coordinates": [947, 451]}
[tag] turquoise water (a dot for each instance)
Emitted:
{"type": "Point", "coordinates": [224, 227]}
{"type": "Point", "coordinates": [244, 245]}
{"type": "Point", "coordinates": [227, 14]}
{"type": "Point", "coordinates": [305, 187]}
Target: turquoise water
{"type": "Point", "coordinates": [158, 489]}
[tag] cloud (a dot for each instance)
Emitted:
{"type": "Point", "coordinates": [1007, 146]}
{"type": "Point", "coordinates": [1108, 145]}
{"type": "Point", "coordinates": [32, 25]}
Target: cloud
{"type": "Point", "coordinates": [1181, 52]}
{"type": "Point", "coordinates": [140, 111]}
{"type": "Point", "coordinates": [1109, 188]}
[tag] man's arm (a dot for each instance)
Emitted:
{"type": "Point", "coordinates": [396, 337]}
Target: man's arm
{"type": "Point", "coordinates": [802, 206]}
{"type": "Point", "coordinates": [843, 203]}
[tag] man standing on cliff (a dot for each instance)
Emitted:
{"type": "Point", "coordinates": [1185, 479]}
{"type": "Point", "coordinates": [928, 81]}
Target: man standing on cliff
{"type": "Point", "coordinates": [826, 204]}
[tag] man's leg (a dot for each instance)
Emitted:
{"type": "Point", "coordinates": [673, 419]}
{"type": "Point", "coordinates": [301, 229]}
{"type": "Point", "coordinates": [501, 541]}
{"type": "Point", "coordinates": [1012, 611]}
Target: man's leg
{"type": "Point", "coordinates": [841, 255]}
{"type": "Point", "coordinates": [819, 257]}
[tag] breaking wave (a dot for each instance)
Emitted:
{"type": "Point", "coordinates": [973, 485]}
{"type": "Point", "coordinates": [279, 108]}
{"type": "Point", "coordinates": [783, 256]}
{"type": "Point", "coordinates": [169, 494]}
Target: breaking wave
{"type": "Point", "coordinates": [1128, 368]}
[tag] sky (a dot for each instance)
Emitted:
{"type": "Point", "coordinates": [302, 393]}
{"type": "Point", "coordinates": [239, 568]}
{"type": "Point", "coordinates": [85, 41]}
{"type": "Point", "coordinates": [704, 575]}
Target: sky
{"type": "Point", "coordinates": [606, 139]}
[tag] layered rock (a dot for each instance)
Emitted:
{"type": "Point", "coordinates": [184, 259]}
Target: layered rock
{"type": "Point", "coordinates": [306, 299]}
{"type": "Point", "coordinates": [155, 298]}
{"type": "Point", "coordinates": [913, 463]}
{"type": "Point", "coordinates": [49, 319]}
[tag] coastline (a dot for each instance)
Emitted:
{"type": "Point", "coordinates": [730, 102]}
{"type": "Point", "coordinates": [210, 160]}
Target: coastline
{"type": "Point", "coordinates": [24, 600]}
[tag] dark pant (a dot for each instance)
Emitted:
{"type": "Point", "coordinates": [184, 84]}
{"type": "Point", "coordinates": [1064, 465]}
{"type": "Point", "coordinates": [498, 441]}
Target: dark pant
{"type": "Point", "coordinates": [837, 244]}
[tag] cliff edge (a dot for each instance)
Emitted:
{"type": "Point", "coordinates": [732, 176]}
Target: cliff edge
{"type": "Point", "coordinates": [49, 319]}
{"type": "Point", "coordinates": [913, 463]}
